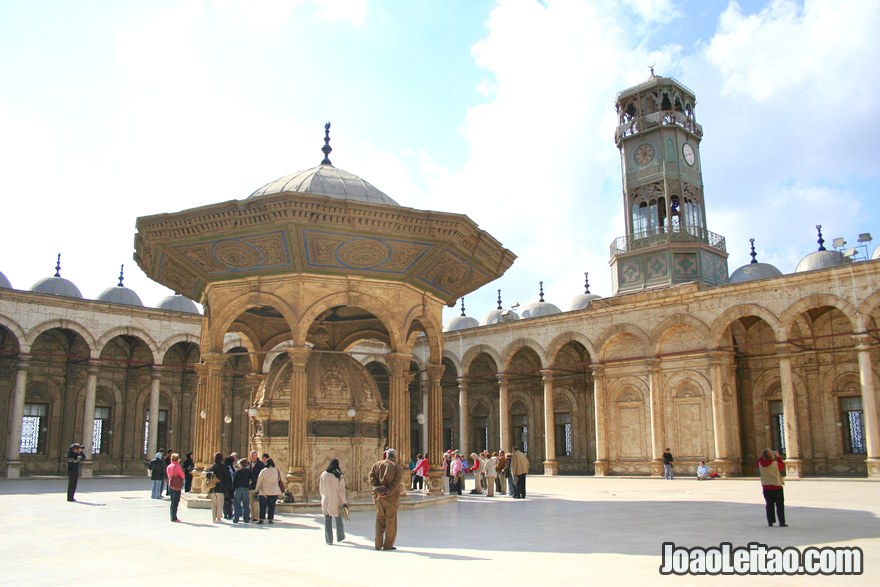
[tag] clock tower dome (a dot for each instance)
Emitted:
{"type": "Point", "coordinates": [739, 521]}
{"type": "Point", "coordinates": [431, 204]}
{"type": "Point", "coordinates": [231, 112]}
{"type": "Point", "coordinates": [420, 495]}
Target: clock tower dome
{"type": "Point", "coordinates": [666, 239]}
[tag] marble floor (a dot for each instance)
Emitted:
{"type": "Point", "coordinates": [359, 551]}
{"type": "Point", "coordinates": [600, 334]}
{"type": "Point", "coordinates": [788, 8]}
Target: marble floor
{"type": "Point", "coordinates": [569, 531]}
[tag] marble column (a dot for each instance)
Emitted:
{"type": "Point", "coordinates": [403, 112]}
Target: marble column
{"type": "Point", "coordinates": [793, 463]}
{"type": "Point", "coordinates": [209, 421]}
{"type": "Point", "coordinates": [255, 380]}
{"type": "Point", "coordinates": [88, 431]}
{"type": "Point", "coordinates": [398, 410]}
{"type": "Point", "coordinates": [434, 424]}
{"type": "Point", "coordinates": [504, 412]}
{"type": "Point", "coordinates": [869, 405]}
{"type": "Point", "coordinates": [551, 465]}
{"type": "Point", "coordinates": [296, 428]}
{"type": "Point", "coordinates": [601, 465]}
{"type": "Point", "coordinates": [658, 441]}
{"type": "Point", "coordinates": [463, 435]}
{"type": "Point", "coordinates": [719, 415]}
{"type": "Point", "coordinates": [155, 380]}
{"type": "Point", "coordinates": [13, 443]}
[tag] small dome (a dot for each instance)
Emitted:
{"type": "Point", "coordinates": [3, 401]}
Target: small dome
{"type": "Point", "coordinates": [461, 323]}
{"type": "Point", "coordinates": [326, 180]}
{"type": "Point", "coordinates": [539, 309]}
{"type": "Point", "coordinates": [178, 303]}
{"type": "Point", "coordinates": [753, 271]}
{"type": "Point", "coordinates": [120, 295]}
{"type": "Point", "coordinates": [821, 260]}
{"type": "Point", "coordinates": [498, 315]}
{"type": "Point", "coordinates": [579, 302]}
{"type": "Point", "coordinates": [4, 283]}
{"type": "Point", "coordinates": [876, 254]}
{"type": "Point", "coordinates": [57, 286]}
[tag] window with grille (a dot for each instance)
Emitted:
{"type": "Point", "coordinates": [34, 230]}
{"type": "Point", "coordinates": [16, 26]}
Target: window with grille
{"type": "Point", "coordinates": [33, 429]}
{"type": "Point", "coordinates": [777, 426]}
{"type": "Point", "coordinates": [521, 432]}
{"type": "Point", "coordinates": [100, 441]}
{"type": "Point", "coordinates": [853, 425]}
{"type": "Point", "coordinates": [563, 434]}
{"type": "Point", "coordinates": [481, 434]}
{"type": "Point", "coordinates": [162, 431]}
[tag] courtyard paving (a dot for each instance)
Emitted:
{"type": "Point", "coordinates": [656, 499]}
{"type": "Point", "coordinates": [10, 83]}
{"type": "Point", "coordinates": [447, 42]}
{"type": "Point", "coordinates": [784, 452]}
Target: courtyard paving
{"type": "Point", "coordinates": [569, 531]}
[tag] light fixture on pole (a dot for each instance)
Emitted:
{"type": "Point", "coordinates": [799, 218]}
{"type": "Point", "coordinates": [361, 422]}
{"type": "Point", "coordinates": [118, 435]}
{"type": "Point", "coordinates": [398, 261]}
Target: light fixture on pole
{"type": "Point", "coordinates": [420, 418]}
{"type": "Point", "coordinates": [203, 414]}
{"type": "Point", "coordinates": [252, 412]}
{"type": "Point", "coordinates": [227, 419]}
{"type": "Point", "coordinates": [351, 413]}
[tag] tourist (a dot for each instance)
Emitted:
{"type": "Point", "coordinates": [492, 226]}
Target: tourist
{"type": "Point", "coordinates": [385, 477]}
{"type": "Point", "coordinates": [74, 457]}
{"type": "Point", "coordinates": [412, 469]}
{"type": "Point", "coordinates": [423, 466]}
{"type": "Point", "coordinates": [667, 465]}
{"type": "Point", "coordinates": [331, 485]}
{"type": "Point", "coordinates": [241, 485]}
{"type": "Point", "coordinates": [255, 465]}
{"type": "Point", "coordinates": [219, 475]}
{"type": "Point", "coordinates": [417, 472]}
{"type": "Point", "coordinates": [167, 461]}
{"type": "Point", "coordinates": [444, 465]}
{"type": "Point", "coordinates": [490, 469]}
{"type": "Point", "coordinates": [770, 467]}
{"type": "Point", "coordinates": [519, 468]}
{"type": "Point", "coordinates": [476, 467]}
{"type": "Point", "coordinates": [456, 469]}
{"type": "Point", "coordinates": [229, 463]}
{"type": "Point", "coordinates": [176, 481]}
{"type": "Point", "coordinates": [188, 467]}
{"type": "Point", "coordinates": [501, 467]}
{"type": "Point", "coordinates": [269, 486]}
{"type": "Point", "coordinates": [157, 475]}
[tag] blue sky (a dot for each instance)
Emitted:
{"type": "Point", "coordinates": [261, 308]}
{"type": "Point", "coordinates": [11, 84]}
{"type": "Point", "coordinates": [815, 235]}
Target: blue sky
{"type": "Point", "coordinates": [503, 111]}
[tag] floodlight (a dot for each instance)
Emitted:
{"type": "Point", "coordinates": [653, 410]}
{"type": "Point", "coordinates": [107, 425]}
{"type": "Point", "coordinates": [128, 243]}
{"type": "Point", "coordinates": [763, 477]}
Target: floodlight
{"type": "Point", "coordinates": [850, 252]}
{"type": "Point", "coordinates": [838, 243]}
{"type": "Point", "coordinates": [865, 237]}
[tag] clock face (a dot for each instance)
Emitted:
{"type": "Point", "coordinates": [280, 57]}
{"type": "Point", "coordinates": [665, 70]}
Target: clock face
{"type": "Point", "coordinates": [644, 154]}
{"type": "Point", "coordinates": [688, 153]}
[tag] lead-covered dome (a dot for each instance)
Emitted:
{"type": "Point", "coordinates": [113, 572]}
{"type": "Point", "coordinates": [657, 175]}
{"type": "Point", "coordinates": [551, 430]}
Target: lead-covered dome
{"type": "Point", "coordinates": [822, 258]}
{"type": "Point", "coordinates": [754, 270]}
{"type": "Point", "coordinates": [499, 314]}
{"type": "Point", "coordinates": [57, 285]}
{"type": "Point", "coordinates": [178, 303]}
{"type": "Point", "coordinates": [326, 180]}
{"type": "Point", "coordinates": [876, 254]}
{"type": "Point", "coordinates": [540, 308]}
{"type": "Point", "coordinates": [461, 322]}
{"type": "Point", "coordinates": [120, 294]}
{"type": "Point", "coordinates": [4, 283]}
{"type": "Point", "coordinates": [581, 301]}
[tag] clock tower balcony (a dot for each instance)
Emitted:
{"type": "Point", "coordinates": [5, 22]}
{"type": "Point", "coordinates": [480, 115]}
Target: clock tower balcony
{"type": "Point", "coordinates": [650, 121]}
{"type": "Point", "coordinates": [658, 237]}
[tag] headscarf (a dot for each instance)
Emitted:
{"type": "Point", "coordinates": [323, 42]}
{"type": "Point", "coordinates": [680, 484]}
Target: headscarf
{"type": "Point", "coordinates": [333, 467]}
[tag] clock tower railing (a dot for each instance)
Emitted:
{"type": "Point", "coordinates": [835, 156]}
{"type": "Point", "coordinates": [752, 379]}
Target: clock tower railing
{"type": "Point", "coordinates": [662, 236]}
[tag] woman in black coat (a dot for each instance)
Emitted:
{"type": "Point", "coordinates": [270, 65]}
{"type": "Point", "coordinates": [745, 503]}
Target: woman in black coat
{"type": "Point", "coordinates": [217, 494]}
{"type": "Point", "coordinates": [188, 467]}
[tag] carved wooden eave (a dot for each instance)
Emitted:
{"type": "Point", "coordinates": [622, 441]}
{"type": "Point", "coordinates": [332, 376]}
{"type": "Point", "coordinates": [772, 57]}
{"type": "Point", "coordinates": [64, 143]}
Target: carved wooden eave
{"type": "Point", "coordinates": [445, 254]}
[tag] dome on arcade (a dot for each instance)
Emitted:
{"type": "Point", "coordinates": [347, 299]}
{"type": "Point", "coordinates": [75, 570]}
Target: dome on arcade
{"type": "Point", "coordinates": [4, 283]}
{"type": "Point", "coordinates": [499, 314]}
{"type": "Point", "coordinates": [876, 254]}
{"type": "Point", "coordinates": [178, 303]}
{"type": "Point", "coordinates": [822, 258]}
{"type": "Point", "coordinates": [326, 180]}
{"type": "Point", "coordinates": [540, 308]}
{"type": "Point", "coordinates": [754, 270]}
{"type": "Point", "coordinates": [57, 285]}
{"type": "Point", "coordinates": [581, 301]}
{"type": "Point", "coordinates": [461, 322]}
{"type": "Point", "coordinates": [120, 294]}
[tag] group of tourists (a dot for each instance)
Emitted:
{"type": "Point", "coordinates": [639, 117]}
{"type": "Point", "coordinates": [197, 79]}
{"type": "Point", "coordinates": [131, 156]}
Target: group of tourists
{"type": "Point", "coordinates": [239, 488]}
{"type": "Point", "coordinates": [496, 472]}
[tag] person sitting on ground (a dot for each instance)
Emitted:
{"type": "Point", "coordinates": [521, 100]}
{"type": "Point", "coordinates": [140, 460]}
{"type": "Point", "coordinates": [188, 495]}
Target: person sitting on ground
{"type": "Point", "coordinates": [704, 473]}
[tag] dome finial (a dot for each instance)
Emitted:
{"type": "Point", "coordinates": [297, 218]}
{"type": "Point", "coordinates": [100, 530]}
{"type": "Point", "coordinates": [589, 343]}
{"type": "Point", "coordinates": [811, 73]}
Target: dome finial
{"type": "Point", "coordinates": [499, 299]}
{"type": "Point", "coordinates": [752, 254]}
{"type": "Point", "coordinates": [462, 306]}
{"type": "Point", "coordinates": [326, 149]}
{"type": "Point", "coordinates": [121, 268]}
{"type": "Point", "coordinates": [821, 240]}
{"type": "Point", "coordinates": [586, 282]}
{"type": "Point", "coordinates": [58, 266]}
{"type": "Point", "coordinates": [651, 67]}
{"type": "Point", "coordinates": [541, 292]}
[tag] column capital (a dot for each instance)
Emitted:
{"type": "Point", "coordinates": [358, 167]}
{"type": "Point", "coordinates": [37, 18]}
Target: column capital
{"type": "Point", "coordinates": [653, 363]}
{"type": "Point", "coordinates": [299, 356]}
{"type": "Point", "coordinates": [23, 363]}
{"type": "Point", "coordinates": [784, 349]}
{"type": "Point", "coordinates": [598, 369]}
{"type": "Point", "coordinates": [398, 362]}
{"type": "Point", "coordinates": [463, 382]}
{"type": "Point", "coordinates": [435, 372]}
{"type": "Point", "coordinates": [862, 341]}
{"type": "Point", "coordinates": [503, 378]}
{"type": "Point", "coordinates": [93, 367]}
{"type": "Point", "coordinates": [156, 371]}
{"type": "Point", "coordinates": [214, 361]}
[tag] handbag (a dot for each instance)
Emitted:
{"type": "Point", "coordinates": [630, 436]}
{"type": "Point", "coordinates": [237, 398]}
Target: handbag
{"type": "Point", "coordinates": [287, 497]}
{"type": "Point", "coordinates": [175, 483]}
{"type": "Point", "coordinates": [281, 484]}
{"type": "Point", "coordinates": [211, 481]}
{"type": "Point", "coordinates": [343, 509]}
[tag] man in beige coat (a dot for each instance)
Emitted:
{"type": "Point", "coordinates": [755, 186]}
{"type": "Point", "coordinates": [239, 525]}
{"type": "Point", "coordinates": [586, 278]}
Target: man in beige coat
{"type": "Point", "coordinates": [519, 467]}
{"type": "Point", "coordinates": [385, 477]}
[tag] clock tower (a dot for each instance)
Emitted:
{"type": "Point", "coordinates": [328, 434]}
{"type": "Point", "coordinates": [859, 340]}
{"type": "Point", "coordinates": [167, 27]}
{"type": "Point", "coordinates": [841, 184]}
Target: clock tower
{"type": "Point", "coordinates": [666, 239]}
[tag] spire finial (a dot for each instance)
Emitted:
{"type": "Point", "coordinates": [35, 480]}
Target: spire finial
{"type": "Point", "coordinates": [58, 266]}
{"type": "Point", "coordinates": [821, 240]}
{"type": "Point", "coordinates": [752, 254]}
{"type": "Point", "coordinates": [651, 67]}
{"type": "Point", "coordinates": [462, 306]}
{"type": "Point", "coordinates": [541, 293]}
{"type": "Point", "coordinates": [499, 299]}
{"type": "Point", "coordinates": [121, 268]}
{"type": "Point", "coordinates": [586, 282]}
{"type": "Point", "coordinates": [326, 148]}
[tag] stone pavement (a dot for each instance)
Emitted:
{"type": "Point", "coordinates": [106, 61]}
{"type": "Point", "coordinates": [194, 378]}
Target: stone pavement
{"type": "Point", "coordinates": [569, 531]}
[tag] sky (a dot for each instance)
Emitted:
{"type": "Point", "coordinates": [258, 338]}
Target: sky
{"type": "Point", "coordinates": [500, 110]}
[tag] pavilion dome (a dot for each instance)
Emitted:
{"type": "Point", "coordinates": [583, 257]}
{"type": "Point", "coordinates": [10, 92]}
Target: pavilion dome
{"type": "Point", "coordinates": [329, 181]}
{"type": "Point", "coordinates": [4, 283]}
{"type": "Point", "coordinates": [178, 303]}
{"type": "Point", "coordinates": [821, 260]}
{"type": "Point", "coordinates": [876, 254]}
{"type": "Point", "coordinates": [499, 314]}
{"type": "Point", "coordinates": [120, 294]}
{"type": "Point", "coordinates": [461, 322]}
{"type": "Point", "coordinates": [540, 308]}
{"type": "Point", "coordinates": [754, 270]}
{"type": "Point", "coordinates": [57, 285]}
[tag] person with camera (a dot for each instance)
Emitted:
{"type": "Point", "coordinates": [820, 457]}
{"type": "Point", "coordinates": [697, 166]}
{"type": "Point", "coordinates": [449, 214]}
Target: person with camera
{"type": "Point", "coordinates": [770, 467]}
{"type": "Point", "coordinates": [74, 457]}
